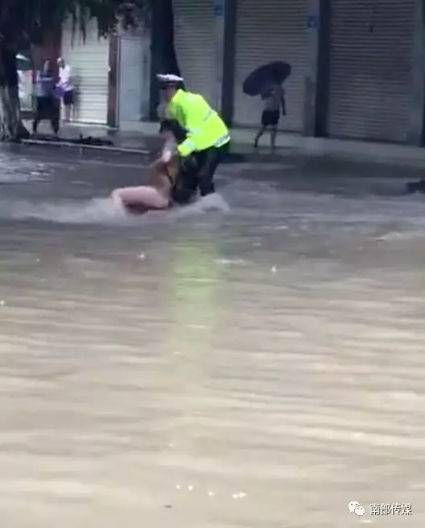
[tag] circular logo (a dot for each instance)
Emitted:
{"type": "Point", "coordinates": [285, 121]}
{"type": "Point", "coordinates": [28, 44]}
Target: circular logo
{"type": "Point", "coordinates": [356, 508]}
{"type": "Point", "coordinates": [360, 510]}
{"type": "Point", "coordinates": [353, 505]}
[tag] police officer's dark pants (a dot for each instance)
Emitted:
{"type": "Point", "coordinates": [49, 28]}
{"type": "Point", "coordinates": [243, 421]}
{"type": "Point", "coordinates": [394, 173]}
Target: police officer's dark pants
{"type": "Point", "coordinates": [207, 162]}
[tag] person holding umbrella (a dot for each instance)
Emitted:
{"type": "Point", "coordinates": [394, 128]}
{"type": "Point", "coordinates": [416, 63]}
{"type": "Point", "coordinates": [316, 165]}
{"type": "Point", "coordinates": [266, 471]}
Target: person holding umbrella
{"type": "Point", "coordinates": [274, 100]}
{"type": "Point", "coordinates": [267, 82]}
{"type": "Point", "coordinates": [207, 139]}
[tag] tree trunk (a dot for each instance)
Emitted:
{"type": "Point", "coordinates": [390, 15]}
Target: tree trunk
{"type": "Point", "coordinates": [164, 58]}
{"type": "Point", "coordinates": [11, 127]}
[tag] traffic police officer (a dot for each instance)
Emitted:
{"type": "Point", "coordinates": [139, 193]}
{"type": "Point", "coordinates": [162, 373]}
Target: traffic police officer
{"type": "Point", "coordinates": [207, 139]}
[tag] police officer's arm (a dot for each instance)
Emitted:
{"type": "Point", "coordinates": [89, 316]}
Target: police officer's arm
{"type": "Point", "coordinates": [195, 109]}
{"type": "Point", "coordinates": [186, 148]}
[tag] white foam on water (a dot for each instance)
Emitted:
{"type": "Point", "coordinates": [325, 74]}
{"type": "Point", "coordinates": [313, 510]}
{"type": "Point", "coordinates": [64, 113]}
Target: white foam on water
{"type": "Point", "coordinates": [23, 170]}
{"type": "Point", "coordinates": [212, 202]}
{"type": "Point", "coordinates": [393, 236]}
{"type": "Point", "coordinates": [69, 212]}
{"type": "Point", "coordinates": [232, 262]}
{"type": "Point", "coordinates": [101, 211]}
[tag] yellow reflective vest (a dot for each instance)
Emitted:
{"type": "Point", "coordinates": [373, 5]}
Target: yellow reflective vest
{"type": "Point", "coordinates": [204, 126]}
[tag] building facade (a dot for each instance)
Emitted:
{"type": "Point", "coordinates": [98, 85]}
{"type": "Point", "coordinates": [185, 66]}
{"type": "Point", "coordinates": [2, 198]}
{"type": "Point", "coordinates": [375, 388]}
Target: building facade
{"type": "Point", "coordinates": [111, 74]}
{"type": "Point", "coordinates": [358, 67]}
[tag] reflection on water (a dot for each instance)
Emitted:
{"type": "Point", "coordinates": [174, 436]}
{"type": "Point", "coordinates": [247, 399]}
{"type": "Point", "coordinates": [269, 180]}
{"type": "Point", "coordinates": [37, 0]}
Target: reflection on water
{"type": "Point", "coordinates": [254, 369]}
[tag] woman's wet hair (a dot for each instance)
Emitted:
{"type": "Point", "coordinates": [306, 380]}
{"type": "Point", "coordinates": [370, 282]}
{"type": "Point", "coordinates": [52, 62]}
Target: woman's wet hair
{"type": "Point", "coordinates": [175, 128]}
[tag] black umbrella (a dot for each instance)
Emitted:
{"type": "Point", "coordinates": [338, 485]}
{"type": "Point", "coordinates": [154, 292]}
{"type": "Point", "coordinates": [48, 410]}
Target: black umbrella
{"type": "Point", "coordinates": [259, 79]}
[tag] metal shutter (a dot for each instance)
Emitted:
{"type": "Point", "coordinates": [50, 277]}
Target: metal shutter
{"type": "Point", "coordinates": [131, 78]}
{"type": "Point", "coordinates": [195, 43]}
{"type": "Point", "coordinates": [267, 31]}
{"type": "Point", "coordinates": [89, 61]}
{"type": "Point", "coordinates": [371, 54]}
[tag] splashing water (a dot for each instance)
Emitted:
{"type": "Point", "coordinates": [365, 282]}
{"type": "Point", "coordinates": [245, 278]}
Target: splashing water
{"type": "Point", "coordinates": [101, 211]}
{"type": "Point", "coordinates": [69, 212]}
{"type": "Point", "coordinates": [212, 202]}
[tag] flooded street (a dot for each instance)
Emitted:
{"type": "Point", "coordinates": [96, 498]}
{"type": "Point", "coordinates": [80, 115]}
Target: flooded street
{"type": "Point", "coordinates": [257, 364]}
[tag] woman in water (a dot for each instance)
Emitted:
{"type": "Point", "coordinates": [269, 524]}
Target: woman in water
{"type": "Point", "coordinates": [163, 185]}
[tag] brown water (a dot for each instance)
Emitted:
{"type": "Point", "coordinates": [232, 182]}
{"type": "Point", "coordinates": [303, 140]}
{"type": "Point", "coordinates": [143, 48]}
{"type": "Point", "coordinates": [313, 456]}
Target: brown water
{"type": "Point", "coordinates": [260, 367]}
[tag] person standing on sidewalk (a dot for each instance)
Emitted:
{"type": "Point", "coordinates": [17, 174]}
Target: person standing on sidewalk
{"type": "Point", "coordinates": [274, 101]}
{"type": "Point", "coordinates": [66, 87]}
{"type": "Point", "coordinates": [207, 139]}
{"type": "Point", "coordinates": [47, 105]}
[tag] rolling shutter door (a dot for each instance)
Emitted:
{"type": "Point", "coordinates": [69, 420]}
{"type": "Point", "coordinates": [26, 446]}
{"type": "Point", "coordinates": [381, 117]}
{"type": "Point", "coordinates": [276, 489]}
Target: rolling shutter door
{"type": "Point", "coordinates": [371, 54]}
{"type": "Point", "coordinates": [268, 31]}
{"type": "Point", "coordinates": [89, 61]}
{"type": "Point", "coordinates": [131, 78]}
{"type": "Point", "coordinates": [195, 43]}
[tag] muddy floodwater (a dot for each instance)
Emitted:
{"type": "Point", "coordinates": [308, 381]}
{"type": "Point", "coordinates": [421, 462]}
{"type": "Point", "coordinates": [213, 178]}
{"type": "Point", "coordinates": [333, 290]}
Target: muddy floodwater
{"type": "Point", "coordinates": [255, 361]}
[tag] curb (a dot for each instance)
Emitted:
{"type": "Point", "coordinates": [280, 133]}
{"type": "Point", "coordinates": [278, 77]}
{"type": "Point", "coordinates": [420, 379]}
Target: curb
{"type": "Point", "coordinates": [234, 157]}
{"type": "Point", "coordinates": [82, 148]}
